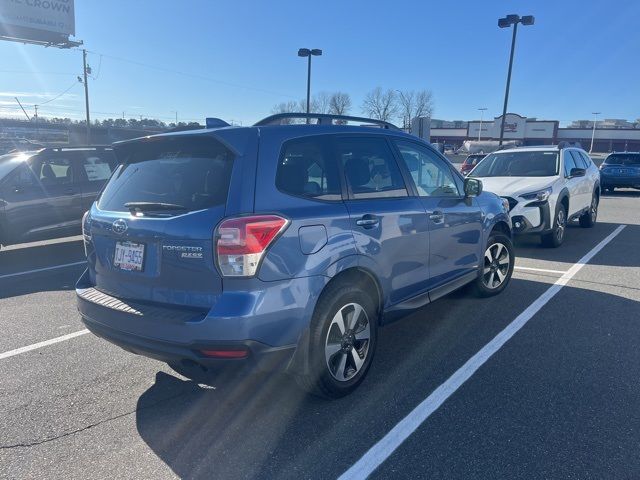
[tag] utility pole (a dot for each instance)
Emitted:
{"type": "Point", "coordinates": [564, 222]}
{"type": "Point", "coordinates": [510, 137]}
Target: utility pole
{"type": "Point", "coordinates": [593, 132]}
{"type": "Point", "coordinates": [35, 116]}
{"type": "Point", "coordinates": [86, 94]}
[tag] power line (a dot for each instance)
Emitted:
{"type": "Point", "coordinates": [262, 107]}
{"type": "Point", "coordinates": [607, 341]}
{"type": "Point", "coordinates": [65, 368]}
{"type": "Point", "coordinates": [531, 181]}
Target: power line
{"type": "Point", "coordinates": [192, 75]}
{"type": "Point", "coordinates": [59, 95]}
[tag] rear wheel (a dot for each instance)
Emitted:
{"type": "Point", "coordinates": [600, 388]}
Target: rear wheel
{"type": "Point", "coordinates": [588, 218]}
{"type": "Point", "coordinates": [497, 266]}
{"type": "Point", "coordinates": [555, 238]}
{"type": "Point", "coordinates": [342, 341]}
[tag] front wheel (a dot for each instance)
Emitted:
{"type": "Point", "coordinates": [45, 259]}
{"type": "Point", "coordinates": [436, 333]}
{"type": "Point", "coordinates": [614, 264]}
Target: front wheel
{"type": "Point", "coordinates": [342, 341]}
{"type": "Point", "coordinates": [497, 266]}
{"type": "Point", "coordinates": [555, 238]}
{"type": "Point", "coordinates": [588, 218]}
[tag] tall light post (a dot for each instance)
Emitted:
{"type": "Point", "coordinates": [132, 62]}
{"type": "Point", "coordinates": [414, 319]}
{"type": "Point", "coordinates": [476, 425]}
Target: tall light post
{"type": "Point", "coordinates": [593, 132]}
{"type": "Point", "coordinates": [506, 22]}
{"type": "Point", "coordinates": [482, 109]}
{"type": "Point", "coordinates": [175, 111]}
{"type": "Point", "coordinates": [307, 52]}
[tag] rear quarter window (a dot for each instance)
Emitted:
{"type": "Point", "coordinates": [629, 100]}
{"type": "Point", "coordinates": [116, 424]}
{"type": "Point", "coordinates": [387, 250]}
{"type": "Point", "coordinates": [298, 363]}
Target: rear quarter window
{"type": "Point", "coordinates": [306, 169]}
{"type": "Point", "coordinates": [190, 172]}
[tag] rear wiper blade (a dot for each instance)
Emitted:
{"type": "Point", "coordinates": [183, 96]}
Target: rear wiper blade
{"type": "Point", "coordinates": [135, 207]}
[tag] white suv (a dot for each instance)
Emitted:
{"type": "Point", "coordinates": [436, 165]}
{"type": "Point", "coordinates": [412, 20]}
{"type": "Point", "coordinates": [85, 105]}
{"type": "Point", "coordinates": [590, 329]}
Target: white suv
{"type": "Point", "coordinates": [546, 187]}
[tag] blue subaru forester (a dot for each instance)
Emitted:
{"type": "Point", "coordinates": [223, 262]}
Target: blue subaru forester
{"type": "Point", "coordinates": [284, 245]}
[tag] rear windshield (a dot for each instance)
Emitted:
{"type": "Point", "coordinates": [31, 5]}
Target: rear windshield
{"type": "Point", "coordinates": [623, 159]}
{"type": "Point", "coordinates": [518, 164]}
{"type": "Point", "coordinates": [191, 172]}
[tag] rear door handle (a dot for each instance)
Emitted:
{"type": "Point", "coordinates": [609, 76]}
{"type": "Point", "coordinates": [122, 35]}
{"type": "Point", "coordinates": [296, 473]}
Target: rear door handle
{"type": "Point", "coordinates": [368, 221]}
{"type": "Point", "coordinates": [437, 217]}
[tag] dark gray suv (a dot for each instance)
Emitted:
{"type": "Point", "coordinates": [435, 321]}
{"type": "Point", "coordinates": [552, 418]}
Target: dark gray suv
{"type": "Point", "coordinates": [44, 193]}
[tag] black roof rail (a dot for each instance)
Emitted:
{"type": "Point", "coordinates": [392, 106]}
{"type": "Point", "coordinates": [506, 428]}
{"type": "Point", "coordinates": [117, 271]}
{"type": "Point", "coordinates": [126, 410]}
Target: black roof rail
{"type": "Point", "coordinates": [324, 119]}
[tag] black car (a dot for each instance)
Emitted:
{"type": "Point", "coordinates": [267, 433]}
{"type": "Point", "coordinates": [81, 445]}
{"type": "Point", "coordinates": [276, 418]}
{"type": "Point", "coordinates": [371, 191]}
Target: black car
{"type": "Point", "coordinates": [44, 193]}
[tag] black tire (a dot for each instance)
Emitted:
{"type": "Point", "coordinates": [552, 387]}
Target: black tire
{"type": "Point", "coordinates": [555, 238]}
{"type": "Point", "coordinates": [324, 334]}
{"type": "Point", "coordinates": [588, 218]}
{"type": "Point", "coordinates": [485, 285]}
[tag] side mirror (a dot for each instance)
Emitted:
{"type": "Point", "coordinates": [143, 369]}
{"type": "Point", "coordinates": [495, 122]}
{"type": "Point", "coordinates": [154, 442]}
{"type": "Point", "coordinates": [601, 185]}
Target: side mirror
{"type": "Point", "coordinates": [577, 172]}
{"type": "Point", "coordinates": [472, 187]}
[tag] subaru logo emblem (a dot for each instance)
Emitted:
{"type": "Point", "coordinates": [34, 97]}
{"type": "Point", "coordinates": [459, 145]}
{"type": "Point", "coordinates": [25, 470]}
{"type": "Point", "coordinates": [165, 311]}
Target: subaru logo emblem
{"type": "Point", "coordinates": [119, 226]}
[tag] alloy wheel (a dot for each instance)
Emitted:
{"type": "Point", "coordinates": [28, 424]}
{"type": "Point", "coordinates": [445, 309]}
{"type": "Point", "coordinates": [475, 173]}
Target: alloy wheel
{"type": "Point", "coordinates": [496, 265]}
{"type": "Point", "coordinates": [347, 343]}
{"type": "Point", "coordinates": [561, 221]}
{"type": "Point", "coordinates": [594, 209]}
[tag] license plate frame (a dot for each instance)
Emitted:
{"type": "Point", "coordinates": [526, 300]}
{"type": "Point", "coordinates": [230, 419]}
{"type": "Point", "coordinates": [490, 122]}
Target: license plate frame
{"type": "Point", "coordinates": [125, 256]}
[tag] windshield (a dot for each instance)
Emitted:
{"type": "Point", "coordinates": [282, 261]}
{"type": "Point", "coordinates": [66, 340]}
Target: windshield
{"type": "Point", "coordinates": [518, 164]}
{"type": "Point", "coordinates": [623, 159]}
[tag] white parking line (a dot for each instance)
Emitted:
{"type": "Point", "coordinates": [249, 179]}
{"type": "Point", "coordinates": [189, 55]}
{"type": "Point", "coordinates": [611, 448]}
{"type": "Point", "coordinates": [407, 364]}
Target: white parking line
{"type": "Point", "coordinates": [35, 346]}
{"type": "Point", "coordinates": [544, 270]}
{"type": "Point", "coordinates": [44, 269]}
{"type": "Point", "coordinates": [398, 434]}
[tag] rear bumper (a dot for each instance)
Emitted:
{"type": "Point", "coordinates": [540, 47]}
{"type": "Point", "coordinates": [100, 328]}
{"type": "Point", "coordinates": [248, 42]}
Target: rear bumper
{"type": "Point", "coordinates": [266, 326]}
{"type": "Point", "coordinates": [607, 181]}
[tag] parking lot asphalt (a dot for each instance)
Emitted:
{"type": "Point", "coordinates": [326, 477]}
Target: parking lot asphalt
{"type": "Point", "coordinates": [558, 400]}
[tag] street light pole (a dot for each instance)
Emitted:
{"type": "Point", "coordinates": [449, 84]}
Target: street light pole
{"type": "Point", "coordinates": [307, 52]}
{"type": "Point", "coordinates": [504, 23]}
{"type": "Point", "coordinates": [593, 132]}
{"type": "Point", "coordinates": [482, 109]}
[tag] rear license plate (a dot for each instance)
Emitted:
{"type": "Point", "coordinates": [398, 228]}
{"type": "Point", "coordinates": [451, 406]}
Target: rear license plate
{"type": "Point", "coordinates": [129, 256]}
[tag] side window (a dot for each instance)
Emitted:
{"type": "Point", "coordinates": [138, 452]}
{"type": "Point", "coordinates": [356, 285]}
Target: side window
{"type": "Point", "coordinates": [306, 170]}
{"type": "Point", "coordinates": [23, 177]}
{"type": "Point", "coordinates": [370, 168]}
{"type": "Point", "coordinates": [96, 167]}
{"type": "Point", "coordinates": [585, 159]}
{"type": "Point", "coordinates": [433, 178]}
{"type": "Point", "coordinates": [53, 170]}
{"type": "Point", "coordinates": [568, 163]}
{"type": "Point", "coordinates": [578, 160]}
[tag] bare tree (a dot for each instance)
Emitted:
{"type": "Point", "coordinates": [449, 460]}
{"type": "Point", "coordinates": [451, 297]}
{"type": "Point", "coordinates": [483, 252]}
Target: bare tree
{"type": "Point", "coordinates": [286, 107]}
{"type": "Point", "coordinates": [414, 104]}
{"type": "Point", "coordinates": [321, 102]}
{"type": "Point", "coordinates": [339, 103]}
{"type": "Point", "coordinates": [379, 104]}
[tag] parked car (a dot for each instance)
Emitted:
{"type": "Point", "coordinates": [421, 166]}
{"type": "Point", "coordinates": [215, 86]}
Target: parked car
{"type": "Point", "coordinates": [546, 188]}
{"type": "Point", "coordinates": [620, 169]}
{"type": "Point", "coordinates": [44, 193]}
{"type": "Point", "coordinates": [282, 246]}
{"type": "Point", "coordinates": [470, 162]}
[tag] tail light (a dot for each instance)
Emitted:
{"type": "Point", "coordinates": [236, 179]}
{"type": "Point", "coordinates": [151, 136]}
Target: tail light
{"type": "Point", "coordinates": [86, 231]}
{"type": "Point", "coordinates": [241, 243]}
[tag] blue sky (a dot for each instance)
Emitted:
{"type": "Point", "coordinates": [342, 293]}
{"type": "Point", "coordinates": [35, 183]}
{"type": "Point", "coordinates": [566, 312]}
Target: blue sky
{"type": "Point", "coordinates": [580, 56]}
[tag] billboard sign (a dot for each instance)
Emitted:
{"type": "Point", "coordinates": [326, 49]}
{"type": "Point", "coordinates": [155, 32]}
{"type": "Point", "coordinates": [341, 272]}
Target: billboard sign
{"type": "Point", "coordinates": [40, 21]}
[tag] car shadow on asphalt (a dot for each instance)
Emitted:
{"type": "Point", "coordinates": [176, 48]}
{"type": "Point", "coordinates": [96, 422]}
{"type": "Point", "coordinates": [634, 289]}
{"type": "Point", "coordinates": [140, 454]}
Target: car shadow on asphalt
{"type": "Point", "coordinates": [262, 426]}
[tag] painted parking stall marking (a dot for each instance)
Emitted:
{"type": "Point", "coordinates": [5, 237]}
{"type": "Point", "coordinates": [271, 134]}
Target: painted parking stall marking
{"type": "Point", "coordinates": [543, 270]}
{"type": "Point", "coordinates": [44, 269]}
{"type": "Point", "coordinates": [35, 346]}
{"type": "Point", "coordinates": [383, 449]}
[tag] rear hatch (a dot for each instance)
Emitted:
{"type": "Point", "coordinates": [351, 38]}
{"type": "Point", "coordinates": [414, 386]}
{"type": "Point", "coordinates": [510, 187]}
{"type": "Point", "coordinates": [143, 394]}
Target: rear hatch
{"type": "Point", "coordinates": [151, 230]}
